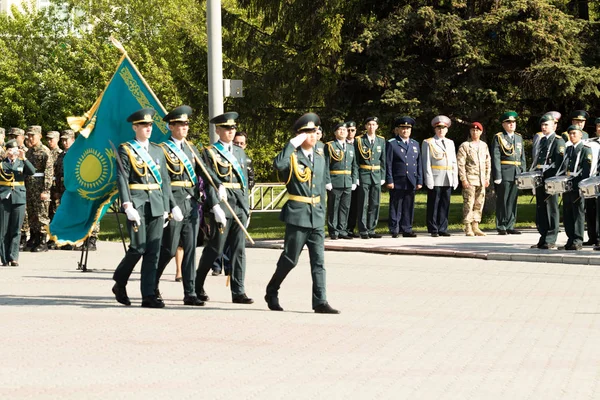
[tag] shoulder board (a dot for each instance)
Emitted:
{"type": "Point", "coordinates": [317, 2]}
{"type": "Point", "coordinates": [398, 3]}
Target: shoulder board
{"type": "Point", "coordinates": [413, 140]}
{"type": "Point", "coordinates": [499, 133]}
{"type": "Point", "coordinates": [319, 151]}
{"type": "Point", "coordinates": [517, 133]}
{"type": "Point", "coordinates": [209, 147]}
{"type": "Point", "coordinates": [330, 142]}
{"type": "Point", "coordinates": [539, 134]}
{"type": "Point", "coordinates": [359, 137]}
{"type": "Point", "coordinates": [428, 140]}
{"type": "Point", "coordinates": [379, 136]}
{"type": "Point", "coordinates": [587, 144]}
{"type": "Point", "coordinates": [391, 140]}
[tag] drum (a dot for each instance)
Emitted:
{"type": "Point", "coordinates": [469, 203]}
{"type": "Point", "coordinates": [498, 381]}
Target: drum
{"type": "Point", "coordinates": [590, 188]}
{"type": "Point", "coordinates": [559, 184]}
{"type": "Point", "coordinates": [529, 180]}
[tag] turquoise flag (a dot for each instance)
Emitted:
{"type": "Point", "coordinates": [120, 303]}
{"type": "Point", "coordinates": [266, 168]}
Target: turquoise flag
{"type": "Point", "coordinates": [90, 165]}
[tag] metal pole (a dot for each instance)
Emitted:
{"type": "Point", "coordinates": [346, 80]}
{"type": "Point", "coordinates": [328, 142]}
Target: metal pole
{"type": "Point", "coordinates": [215, 63]}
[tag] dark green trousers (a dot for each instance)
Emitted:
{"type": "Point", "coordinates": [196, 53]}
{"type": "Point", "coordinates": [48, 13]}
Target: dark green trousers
{"type": "Point", "coordinates": [506, 205]}
{"type": "Point", "coordinates": [185, 234]}
{"type": "Point", "coordinates": [11, 220]}
{"type": "Point", "coordinates": [547, 216]}
{"type": "Point", "coordinates": [234, 236]}
{"type": "Point", "coordinates": [145, 242]}
{"type": "Point", "coordinates": [295, 239]}
{"type": "Point", "coordinates": [573, 217]}
{"type": "Point", "coordinates": [368, 207]}
{"type": "Point", "coordinates": [338, 206]}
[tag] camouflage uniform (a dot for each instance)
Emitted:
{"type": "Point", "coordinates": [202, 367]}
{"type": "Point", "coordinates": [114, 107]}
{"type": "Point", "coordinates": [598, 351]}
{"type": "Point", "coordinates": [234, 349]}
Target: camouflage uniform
{"type": "Point", "coordinates": [2, 148]}
{"type": "Point", "coordinates": [55, 153]}
{"type": "Point", "coordinates": [41, 182]}
{"type": "Point", "coordinates": [474, 167]}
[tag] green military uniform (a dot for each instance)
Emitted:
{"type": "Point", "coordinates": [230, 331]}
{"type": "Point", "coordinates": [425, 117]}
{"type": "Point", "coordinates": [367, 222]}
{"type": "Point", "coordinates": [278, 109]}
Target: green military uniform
{"type": "Point", "coordinates": [370, 158]}
{"type": "Point", "coordinates": [577, 115]}
{"type": "Point", "coordinates": [549, 157]}
{"type": "Point", "coordinates": [14, 133]}
{"type": "Point", "coordinates": [12, 204]}
{"type": "Point", "coordinates": [148, 190]}
{"type": "Point", "coordinates": [304, 216]}
{"type": "Point", "coordinates": [508, 160]}
{"type": "Point", "coordinates": [579, 162]}
{"type": "Point", "coordinates": [229, 163]}
{"type": "Point", "coordinates": [341, 173]}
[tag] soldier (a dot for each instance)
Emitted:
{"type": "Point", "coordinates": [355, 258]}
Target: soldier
{"type": "Point", "coordinates": [52, 137]}
{"type": "Point", "coordinates": [353, 212]}
{"type": "Point", "coordinates": [2, 146]}
{"type": "Point", "coordinates": [18, 135]}
{"type": "Point", "coordinates": [228, 163]}
{"type": "Point", "coordinates": [592, 206]}
{"type": "Point", "coordinates": [440, 174]}
{"type": "Point", "coordinates": [556, 115]}
{"type": "Point", "coordinates": [13, 170]}
{"type": "Point", "coordinates": [67, 138]}
{"type": "Point", "coordinates": [474, 166]}
{"type": "Point", "coordinates": [184, 172]}
{"type": "Point", "coordinates": [548, 159]}
{"type": "Point", "coordinates": [578, 118]}
{"type": "Point", "coordinates": [303, 214]}
{"type": "Point", "coordinates": [370, 156]}
{"type": "Point", "coordinates": [508, 160]}
{"type": "Point", "coordinates": [404, 176]}
{"type": "Point", "coordinates": [144, 189]}
{"type": "Point", "coordinates": [38, 188]}
{"type": "Point", "coordinates": [578, 165]}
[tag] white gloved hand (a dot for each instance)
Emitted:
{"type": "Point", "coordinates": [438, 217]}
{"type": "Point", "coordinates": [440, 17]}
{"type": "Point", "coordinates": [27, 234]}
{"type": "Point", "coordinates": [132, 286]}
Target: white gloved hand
{"type": "Point", "coordinates": [430, 187]}
{"type": "Point", "coordinates": [219, 215]}
{"type": "Point", "coordinates": [357, 182]}
{"type": "Point", "coordinates": [328, 186]}
{"type": "Point", "coordinates": [382, 182]}
{"type": "Point", "coordinates": [353, 186]}
{"type": "Point", "coordinates": [247, 223]}
{"type": "Point", "coordinates": [222, 193]}
{"type": "Point", "coordinates": [166, 219]}
{"type": "Point", "coordinates": [133, 215]}
{"type": "Point", "coordinates": [177, 214]}
{"type": "Point", "coordinates": [298, 140]}
{"type": "Point", "coordinates": [498, 181]}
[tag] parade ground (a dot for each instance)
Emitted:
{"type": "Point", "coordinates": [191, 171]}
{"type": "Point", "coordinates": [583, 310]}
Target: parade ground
{"type": "Point", "coordinates": [412, 326]}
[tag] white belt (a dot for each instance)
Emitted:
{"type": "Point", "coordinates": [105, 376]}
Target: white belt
{"type": "Point", "coordinates": [38, 175]}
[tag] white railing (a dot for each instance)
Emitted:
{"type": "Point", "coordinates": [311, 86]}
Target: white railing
{"type": "Point", "coordinates": [267, 196]}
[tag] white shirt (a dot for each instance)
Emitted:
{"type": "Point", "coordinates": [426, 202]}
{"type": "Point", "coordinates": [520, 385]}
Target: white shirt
{"type": "Point", "coordinates": [308, 154]}
{"type": "Point", "coordinates": [342, 143]}
{"type": "Point", "coordinates": [178, 142]}
{"type": "Point", "coordinates": [144, 144]}
{"type": "Point", "coordinates": [228, 146]}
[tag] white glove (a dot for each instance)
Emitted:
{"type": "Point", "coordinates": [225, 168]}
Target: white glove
{"type": "Point", "coordinates": [219, 215]}
{"type": "Point", "coordinates": [166, 219]}
{"type": "Point", "coordinates": [430, 187]}
{"type": "Point", "coordinates": [328, 186]}
{"type": "Point", "coordinates": [247, 223]}
{"type": "Point", "coordinates": [498, 181]}
{"type": "Point", "coordinates": [222, 193]}
{"type": "Point", "coordinates": [133, 215]}
{"type": "Point", "coordinates": [382, 182]}
{"type": "Point", "coordinates": [357, 182]}
{"type": "Point", "coordinates": [177, 214]}
{"type": "Point", "coordinates": [353, 186]}
{"type": "Point", "coordinates": [298, 140]}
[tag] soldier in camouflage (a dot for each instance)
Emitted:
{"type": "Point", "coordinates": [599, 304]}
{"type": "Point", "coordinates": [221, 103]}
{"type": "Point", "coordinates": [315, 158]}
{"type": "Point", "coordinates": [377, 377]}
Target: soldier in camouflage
{"type": "Point", "coordinates": [52, 138]}
{"type": "Point", "coordinates": [58, 184]}
{"type": "Point", "coordinates": [38, 188]}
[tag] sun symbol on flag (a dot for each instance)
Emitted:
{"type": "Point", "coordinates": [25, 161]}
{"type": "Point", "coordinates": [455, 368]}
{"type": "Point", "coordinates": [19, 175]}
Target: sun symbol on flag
{"type": "Point", "coordinates": [91, 169]}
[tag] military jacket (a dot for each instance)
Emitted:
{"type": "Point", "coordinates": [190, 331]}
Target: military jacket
{"type": "Point", "coordinates": [439, 163]}
{"type": "Point", "coordinates": [508, 156]}
{"type": "Point", "coordinates": [474, 163]}
{"type": "Point", "coordinates": [578, 162]}
{"type": "Point", "coordinates": [42, 161]}
{"type": "Point", "coordinates": [12, 177]}
{"type": "Point", "coordinates": [137, 172]}
{"type": "Point", "coordinates": [306, 182]}
{"type": "Point", "coordinates": [550, 154]}
{"type": "Point", "coordinates": [58, 186]}
{"type": "Point", "coordinates": [341, 167]}
{"type": "Point", "coordinates": [219, 165]}
{"type": "Point", "coordinates": [370, 159]}
{"type": "Point", "coordinates": [565, 136]}
{"type": "Point", "coordinates": [404, 167]}
{"type": "Point", "coordinates": [54, 153]}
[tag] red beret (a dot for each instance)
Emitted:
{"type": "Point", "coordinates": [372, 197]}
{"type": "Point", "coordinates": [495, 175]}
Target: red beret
{"type": "Point", "coordinates": [477, 125]}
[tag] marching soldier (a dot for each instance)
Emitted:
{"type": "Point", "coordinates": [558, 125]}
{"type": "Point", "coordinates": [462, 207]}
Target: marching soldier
{"type": "Point", "coordinates": [353, 212]}
{"type": "Point", "coordinates": [370, 156]}
{"type": "Point", "coordinates": [474, 166]}
{"type": "Point", "coordinates": [228, 163]}
{"type": "Point", "coordinates": [144, 189]}
{"type": "Point", "coordinates": [38, 188]}
{"type": "Point", "coordinates": [579, 162]}
{"type": "Point", "coordinates": [340, 177]}
{"type": "Point", "coordinates": [508, 160]}
{"type": "Point", "coordinates": [404, 176]}
{"type": "Point", "coordinates": [13, 170]}
{"type": "Point", "coordinates": [303, 214]}
{"type": "Point", "coordinates": [578, 118]}
{"type": "Point", "coordinates": [547, 159]}
{"type": "Point", "coordinates": [181, 159]}
{"type": "Point", "coordinates": [440, 175]}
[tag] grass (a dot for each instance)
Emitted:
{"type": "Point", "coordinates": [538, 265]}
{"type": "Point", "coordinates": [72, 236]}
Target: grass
{"type": "Point", "coordinates": [266, 225]}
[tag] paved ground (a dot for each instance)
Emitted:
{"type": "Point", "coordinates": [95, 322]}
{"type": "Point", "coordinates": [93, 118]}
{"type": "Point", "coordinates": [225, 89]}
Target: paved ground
{"type": "Point", "coordinates": [411, 328]}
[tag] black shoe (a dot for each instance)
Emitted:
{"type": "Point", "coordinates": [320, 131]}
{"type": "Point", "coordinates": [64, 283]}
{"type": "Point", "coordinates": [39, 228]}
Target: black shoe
{"type": "Point", "coordinates": [395, 235]}
{"type": "Point", "coordinates": [501, 232]}
{"type": "Point", "coordinates": [375, 235]}
{"type": "Point", "coordinates": [178, 279]}
{"type": "Point", "coordinates": [152, 302]}
{"type": "Point", "coordinates": [41, 247]}
{"type": "Point", "coordinates": [354, 235]}
{"type": "Point", "coordinates": [434, 234]}
{"type": "Point", "coordinates": [273, 303]}
{"type": "Point", "coordinates": [333, 237]}
{"type": "Point", "coordinates": [158, 295]}
{"type": "Point", "coordinates": [573, 247]}
{"type": "Point", "coordinates": [597, 248]}
{"type": "Point", "coordinates": [192, 301]}
{"type": "Point", "coordinates": [364, 236]}
{"type": "Point", "coordinates": [325, 309]}
{"type": "Point", "coordinates": [536, 246]}
{"type": "Point", "coordinates": [446, 234]}
{"type": "Point", "coordinates": [121, 294]}
{"type": "Point", "coordinates": [590, 243]}
{"type": "Point", "coordinates": [242, 299]}
{"type": "Point", "coordinates": [203, 296]}
{"type": "Point", "coordinates": [513, 232]}
{"type": "Point", "coordinates": [51, 245]}
{"type": "Point", "coordinates": [547, 246]}
{"type": "Point", "coordinates": [409, 234]}
{"type": "Point", "coordinates": [347, 237]}
{"type": "Point", "coordinates": [13, 263]}
{"type": "Point", "coordinates": [67, 247]}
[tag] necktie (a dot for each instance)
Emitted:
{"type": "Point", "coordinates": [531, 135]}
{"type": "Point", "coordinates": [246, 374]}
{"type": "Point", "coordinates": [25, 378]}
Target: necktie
{"type": "Point", "coordinates": [310, 159]}
{"type": "Point", "coordinates": [443, 144]}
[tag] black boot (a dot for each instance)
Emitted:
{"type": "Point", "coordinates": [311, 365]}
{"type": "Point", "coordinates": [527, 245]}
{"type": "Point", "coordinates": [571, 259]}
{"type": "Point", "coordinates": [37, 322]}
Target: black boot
{"type": "Point", "coordinates": [31, 243]}
{"type": "Point", "coordinates": [41, 243]}
{"type": "Point", "coordinates": [51, 245]}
